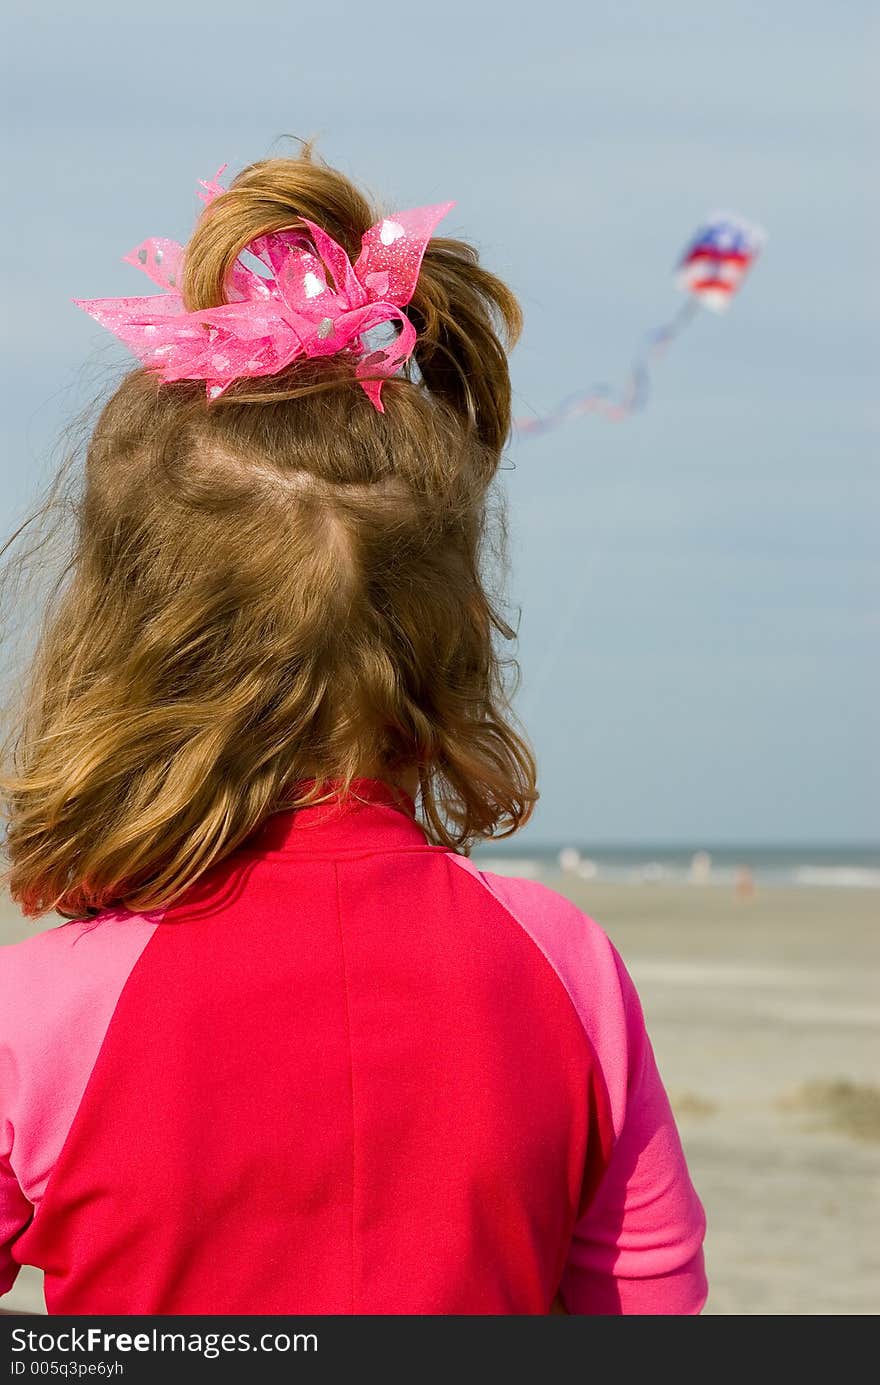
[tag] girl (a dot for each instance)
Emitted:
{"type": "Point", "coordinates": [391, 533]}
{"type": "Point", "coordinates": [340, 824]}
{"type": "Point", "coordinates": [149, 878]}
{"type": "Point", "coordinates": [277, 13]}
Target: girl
{"type": "Point", "coordinates": [293, 1052]}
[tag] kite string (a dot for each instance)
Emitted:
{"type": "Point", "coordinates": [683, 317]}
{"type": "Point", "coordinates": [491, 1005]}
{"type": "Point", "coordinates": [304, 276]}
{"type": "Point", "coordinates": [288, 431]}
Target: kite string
{"type": "Point", "coordinates": [599, 400]}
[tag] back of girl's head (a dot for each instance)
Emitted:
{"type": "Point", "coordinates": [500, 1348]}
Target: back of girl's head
{"type": "Point", "coordinates": [277, 585]}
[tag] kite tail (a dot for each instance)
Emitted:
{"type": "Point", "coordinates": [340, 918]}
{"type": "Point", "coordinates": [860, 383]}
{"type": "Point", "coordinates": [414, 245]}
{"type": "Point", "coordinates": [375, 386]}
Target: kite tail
{"type": "Point", "coordinates": [600, 399]}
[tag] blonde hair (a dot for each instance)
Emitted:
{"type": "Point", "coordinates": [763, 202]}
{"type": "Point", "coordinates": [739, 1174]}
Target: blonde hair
{"type": "Point", "coordinates": [279, 584]}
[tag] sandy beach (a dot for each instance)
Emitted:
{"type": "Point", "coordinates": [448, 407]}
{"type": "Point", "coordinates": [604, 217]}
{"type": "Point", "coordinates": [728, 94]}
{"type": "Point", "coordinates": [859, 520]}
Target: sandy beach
{"type": "Point", "coordinates": [764, 1013]}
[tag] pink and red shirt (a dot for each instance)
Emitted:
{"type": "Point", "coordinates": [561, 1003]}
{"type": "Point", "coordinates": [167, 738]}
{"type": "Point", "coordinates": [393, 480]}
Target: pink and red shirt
{"type": "Point", "coordinates": [347, 1072]}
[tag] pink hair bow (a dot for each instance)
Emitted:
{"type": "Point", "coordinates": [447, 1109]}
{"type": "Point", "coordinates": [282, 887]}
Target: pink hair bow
{"type": "Point", "coordinates": [291, 309]}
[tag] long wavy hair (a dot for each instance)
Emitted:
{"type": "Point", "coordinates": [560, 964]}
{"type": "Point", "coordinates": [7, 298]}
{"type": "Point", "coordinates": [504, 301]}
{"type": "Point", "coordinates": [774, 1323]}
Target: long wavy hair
{"type": "Point", "coordinates": [269, 591]}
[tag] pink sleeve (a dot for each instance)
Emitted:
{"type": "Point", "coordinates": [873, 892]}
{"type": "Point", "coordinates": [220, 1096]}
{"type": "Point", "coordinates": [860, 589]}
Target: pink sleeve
{"type": "Point", "coordinates": [58, 991]}
{"type": "Point", "coordinates": [638, 1249]}
{"type": "Point", "coordinates": [15, 1208]}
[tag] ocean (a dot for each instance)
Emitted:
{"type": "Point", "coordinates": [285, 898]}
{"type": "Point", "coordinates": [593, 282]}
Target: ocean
{"type": "Point", "coordinates": [841, 867]}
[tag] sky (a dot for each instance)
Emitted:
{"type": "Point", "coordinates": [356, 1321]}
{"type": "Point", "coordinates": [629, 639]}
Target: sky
{"type": "Point", "coordinates": [696, 588]}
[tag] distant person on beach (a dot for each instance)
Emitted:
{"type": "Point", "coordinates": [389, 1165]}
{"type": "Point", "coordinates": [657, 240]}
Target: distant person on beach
{"type": "Point", "coordinates": [701, 868]}
{"type": "Point", "coordinates": [292, 1052]}
{"type": "Point", "coordinates": [745, 882]}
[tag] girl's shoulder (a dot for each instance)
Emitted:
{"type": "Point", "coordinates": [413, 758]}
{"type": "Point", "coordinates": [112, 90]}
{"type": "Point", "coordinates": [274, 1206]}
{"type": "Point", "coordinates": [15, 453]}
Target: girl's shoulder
{"type": "Point", "coordinates": [67, 970]}
{"type": "Point", "coordinates": [588, 966]}
{"type": "Point", "coordinates": [553, 920]}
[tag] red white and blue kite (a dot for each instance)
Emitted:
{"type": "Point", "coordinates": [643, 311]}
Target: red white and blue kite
{"type": "Point", "coordinates": [710, 271]}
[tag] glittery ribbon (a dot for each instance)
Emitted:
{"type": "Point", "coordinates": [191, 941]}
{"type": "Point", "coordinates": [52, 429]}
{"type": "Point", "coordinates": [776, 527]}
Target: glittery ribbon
{"type": "Point", "coordinates": [289, 310]}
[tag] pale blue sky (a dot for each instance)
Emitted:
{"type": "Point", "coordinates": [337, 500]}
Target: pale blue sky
{"type": "Point", "coordinates": [698, 586]}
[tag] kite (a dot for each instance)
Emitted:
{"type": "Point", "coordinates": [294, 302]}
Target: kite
{"type": "Point", "coordinates": [710, 272]}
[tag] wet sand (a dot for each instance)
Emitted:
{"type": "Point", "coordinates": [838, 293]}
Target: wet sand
{"type": "Point", "coordinates": [764, 1013]}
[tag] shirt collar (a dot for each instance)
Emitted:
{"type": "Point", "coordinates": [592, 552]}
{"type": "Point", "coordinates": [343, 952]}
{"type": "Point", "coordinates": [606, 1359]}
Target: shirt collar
{"type": "Point", "coordinates": [374, 815]}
